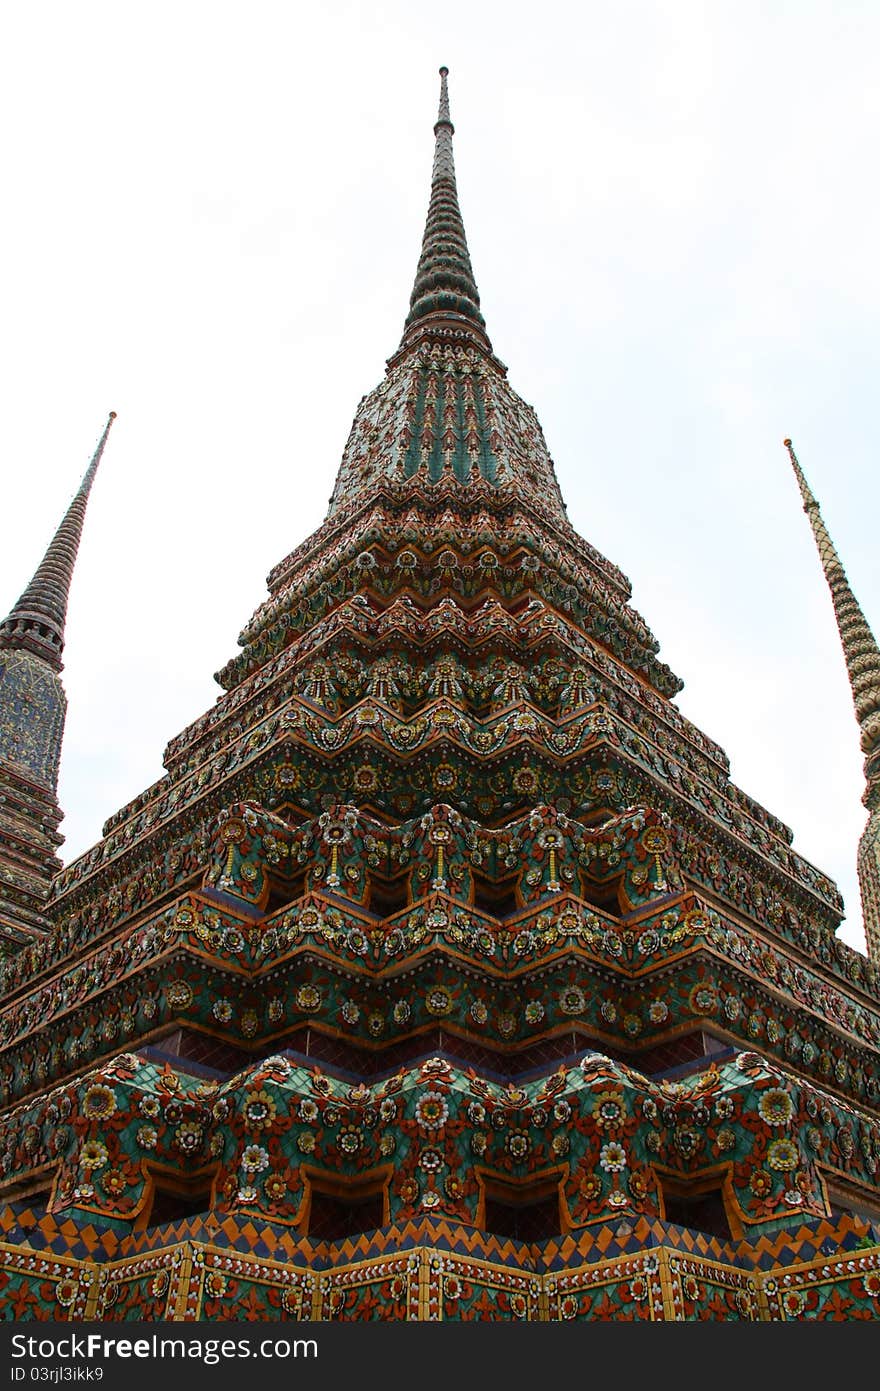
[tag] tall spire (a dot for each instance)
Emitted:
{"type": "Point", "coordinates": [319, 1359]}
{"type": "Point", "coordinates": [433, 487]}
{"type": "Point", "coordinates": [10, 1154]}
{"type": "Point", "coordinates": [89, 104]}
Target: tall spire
{"type": "Point", "coordinates": [37, 621]}
{"type": "Point", "coordinates": [859, 646]}
{"type": "Point", "coordinates": [445, 294]}
{"type": "Point", "coordinates": [862, 658]}
{"type": "Point", "coordinates": [32, 712]}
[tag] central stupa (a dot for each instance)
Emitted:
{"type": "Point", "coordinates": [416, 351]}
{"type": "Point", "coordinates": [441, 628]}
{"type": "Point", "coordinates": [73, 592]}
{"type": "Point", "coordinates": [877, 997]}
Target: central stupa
{"type": "Point", "coordinates": [444, 974]}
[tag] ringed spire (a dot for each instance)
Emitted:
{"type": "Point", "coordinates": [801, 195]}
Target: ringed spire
{"type": "Point", "coordinates": [445, 293]}
{"type": "Point", "coordinates": [862, 658]}
{"type": "Point", "coordinates": [37, 620]}
{"type": "Point", "coordinates": [860, 649]}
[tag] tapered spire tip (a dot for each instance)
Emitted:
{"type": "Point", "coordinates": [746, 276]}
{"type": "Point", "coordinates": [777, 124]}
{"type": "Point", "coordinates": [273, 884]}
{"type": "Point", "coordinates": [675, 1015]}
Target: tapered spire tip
{"type": "Point", "coordinates": [860, 649]}
{"type": "Point", "coordinates": [443, 116]}
{"type": "Point", "coordinates": [445, 298]}
{"type": "Point", "coordinates": [37, 621]}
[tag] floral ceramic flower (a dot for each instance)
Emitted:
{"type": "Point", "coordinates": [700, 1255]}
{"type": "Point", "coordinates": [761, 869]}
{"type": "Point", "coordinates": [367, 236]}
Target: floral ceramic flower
{"type": "Point", "coordinates": [307, 998]}
{"type": "Point", "coordinates": [612, 1157]}
{"type": "Point", "coordinates": [608, 1112]}
{"type": "Point", "coordinates": [438, 1001]}
{"type": "Point", "coordinates": [146, 1136]}
{"type": "Point", "coordinates": [409, 1191]}
{"type": "Point", "coordinates": [775, 1107]}
{"type": "Point", "coordinates": [93, 1154]}
{"type": "Point", "coordinates": [99, 1102]}
{"type": "Point", "coordinates": [703, 999]}
{"type": "Point", "coordinates": [254, 1159]}
{"type": "Point", "coordinates": [845, 1142]}
{"type": "Point", "coordinates": [523, 942]}
{"type": "Point", "coordinates": [452, 1186]}
{"type": "Point", "coordinates": [871, 1282]}
{"type": "Point", "coordinates": [572, 1000]}
{"type": "Point", "coordinates": [432, 1110]}
{"type": "Point", "coordinates": [259, 1111]}
{"type": "Point", "coordinates": [686, 1141]}
{"type": "Point", "coordinates": [639, 1183]}
{"type": "Point", "coordinates": [351, 1139]}
{"type": "Point", "coordinates": [478, 1012]}
{"type": "Point", "coordinates": [519, 1306]}
{"type": "Point", "coordinates": [518, 1144]}
{"type": "Point", "coordinates": [525, 781]}
{"type": "Point", "coordinates": [179, 995]}
{"type": "Point", "coordinates": [113, 1182]}
{"type": "Point", "coordinates": [782, 1155]}
{"type": "Point", "coordinates": [188, 1137]}
{"type": "Point", "coordinates": [305, 1142]}
{"type": "Point", "coordinates": [66, 1292]}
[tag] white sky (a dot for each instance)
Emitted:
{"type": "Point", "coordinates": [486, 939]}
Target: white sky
{"type": "Point", "coordinates": [213, 217]}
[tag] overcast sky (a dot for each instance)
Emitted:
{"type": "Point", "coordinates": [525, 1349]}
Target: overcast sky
{"type": "Point", "coordinates": [213, 217]}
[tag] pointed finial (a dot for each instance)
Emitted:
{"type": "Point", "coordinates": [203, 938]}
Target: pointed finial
{"type": "Point", "coordinates": [445, 296]}
{"type": "Point", "coordinates": [862, 658]}
{"type": "Point", "coordinates": [443, 116]}
{"type": "Point", "coordinates": [37, 621]}
{"type": "Point", "coordinates": [860, 649]}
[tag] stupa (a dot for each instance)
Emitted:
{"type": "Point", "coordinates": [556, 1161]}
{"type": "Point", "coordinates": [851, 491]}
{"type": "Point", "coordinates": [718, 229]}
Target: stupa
{"type": "Point", "coordinates": [444, 974]}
